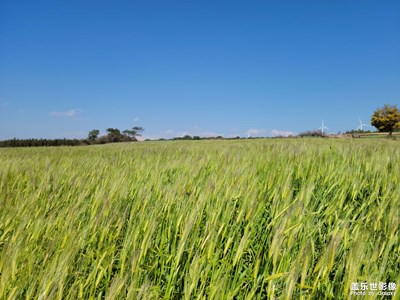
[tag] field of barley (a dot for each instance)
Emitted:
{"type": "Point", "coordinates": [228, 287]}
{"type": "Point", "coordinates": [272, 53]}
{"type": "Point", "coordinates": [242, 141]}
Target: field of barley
{"type": "Point", "coordinates": [243, 219]}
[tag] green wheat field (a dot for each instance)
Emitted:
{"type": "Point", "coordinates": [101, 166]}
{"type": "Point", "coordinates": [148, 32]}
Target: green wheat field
{"type": "Point", "coordinates": [238, 219]}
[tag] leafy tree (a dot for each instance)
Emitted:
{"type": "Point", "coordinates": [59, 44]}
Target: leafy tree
{"type": "Point", "coordinates": [386, 119]}
{"type": "Point", "coordinates": [115, 131]}
{"type": "Point", "coordinates": [93, 134]}
{"type": "Point", "coordinates": [138, 130]}
{"type": "Point", "coordinates": [114, 135]}
{"type": "Point", "coordinates": [134, 132]}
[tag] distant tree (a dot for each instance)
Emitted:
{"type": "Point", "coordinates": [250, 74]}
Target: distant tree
{"type": "Point", "coordinates": [113, 131]}
{"type": "Point", "coordinates": [356, 131]}
{"type": "Point", "coordinates": [114, 135]}
{"type": "Point", "coordinates": [93, 134]}
{"type": "Point", "coordinates": [134, 132]}
{"type": "Point", "coordinates": [386, 119]}
{"type": "Point", "coordinates": [137, 130]}
{"type": "Point", "coordinates": [127, 132]}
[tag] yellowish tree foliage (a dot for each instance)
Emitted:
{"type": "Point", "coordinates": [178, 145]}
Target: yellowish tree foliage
{"type": "Point", "coordinates": [386, 119]}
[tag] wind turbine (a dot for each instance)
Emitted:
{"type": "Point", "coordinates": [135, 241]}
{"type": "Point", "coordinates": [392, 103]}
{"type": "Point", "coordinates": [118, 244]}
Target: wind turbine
{"type": "Point", "coordinates": [323, 127]}
{"type": "Point", "coordinates": [361, 125]}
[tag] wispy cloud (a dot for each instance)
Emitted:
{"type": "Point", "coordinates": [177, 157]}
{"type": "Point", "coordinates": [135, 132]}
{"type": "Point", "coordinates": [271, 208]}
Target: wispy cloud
{"type": "Point", "coordinates": [72, 113]}
{"type": "Point", "coordinates": [171, 133]}
{"type": "Point", "coordinates": [253, 132]}
{"type": "Point", "coordinates": [3, 105]}
{"type": "Point", "coordinates": [277, 132]}
{"type": "Point", "coordinates": [274, 132]}
{"type": "Point", "coordinates": [135, 119]}
{"type": "Point", "coordinates": [195, 131]}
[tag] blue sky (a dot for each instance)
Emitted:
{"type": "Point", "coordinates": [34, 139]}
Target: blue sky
{"type": "Point", "coordinates": [195, 67]}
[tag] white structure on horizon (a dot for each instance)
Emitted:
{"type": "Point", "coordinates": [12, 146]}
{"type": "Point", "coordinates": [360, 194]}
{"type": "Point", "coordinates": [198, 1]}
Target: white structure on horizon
{"type": "Point", "coordinates": [323, 127]}
{"type": "Point", "coordinates": [360, 127]}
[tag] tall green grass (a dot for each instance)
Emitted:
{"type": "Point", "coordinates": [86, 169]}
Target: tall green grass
{"type": "Point", "coordinates": [276, 219]}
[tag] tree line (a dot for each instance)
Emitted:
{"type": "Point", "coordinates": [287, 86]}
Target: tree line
{"type": "Point", "coordinates": [113, 135]}
{"type": "Point", "coordinates": [40, 142]}
{"type": "Point", "coordinates": [385, 119]}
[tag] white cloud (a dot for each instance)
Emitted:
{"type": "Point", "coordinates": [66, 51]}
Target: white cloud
{"type": "Point", "coordinates": [210, 134]}
{"type": "Point", "coordinates": [170, 133]}
{"type": "Point", "coordinates": [68, 113]}
{"type": "Point", "coordinates": [3, 105]}
{"type": "Point", "coordinates": [277, 132]}
{"type": "Point", "coordinates": [256, 132]}
{"type": "Point", "coordinates": [274, 132]}
{"type": "Point", "coordinates": [135, 119]}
